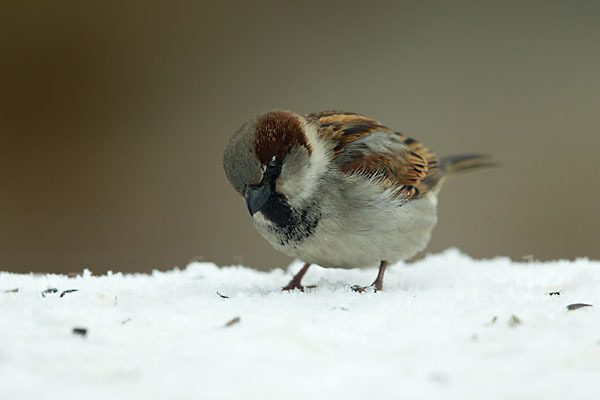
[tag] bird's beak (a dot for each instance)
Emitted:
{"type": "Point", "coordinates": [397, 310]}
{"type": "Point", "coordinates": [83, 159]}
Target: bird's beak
{"type": "Point", "coordinates": [257, 197]}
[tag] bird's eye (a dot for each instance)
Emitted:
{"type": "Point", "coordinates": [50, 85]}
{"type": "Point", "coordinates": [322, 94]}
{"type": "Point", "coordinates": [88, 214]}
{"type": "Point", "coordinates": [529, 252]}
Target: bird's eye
{"type": "Point", "coordinates": [272, 168]}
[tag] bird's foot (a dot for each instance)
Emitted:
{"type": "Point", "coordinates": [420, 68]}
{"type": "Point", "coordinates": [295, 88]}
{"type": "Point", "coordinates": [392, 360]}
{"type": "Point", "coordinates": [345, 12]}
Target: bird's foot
{"type": "Point", "coordinates": [377, 285]}
{"type": "Point", "coordinates": [293, 286]}
{"type": "Point", "coordinates": [295, 282]}
{"type": "Point", "coordinates": [364, 289]}
{"type": "Point", "coordinates": [296, 285]}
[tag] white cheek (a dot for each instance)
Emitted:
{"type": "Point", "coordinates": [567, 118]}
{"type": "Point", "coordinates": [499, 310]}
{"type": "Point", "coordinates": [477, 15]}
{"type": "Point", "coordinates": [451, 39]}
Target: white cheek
{"type": "Point", "coordinates": [295, 186]}
{"type": "Point", "coordinates": [301, 184]}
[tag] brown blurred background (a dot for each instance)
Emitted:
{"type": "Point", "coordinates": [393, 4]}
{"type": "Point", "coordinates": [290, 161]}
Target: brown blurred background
{"type": "Point", "coordinates": [113, 120]}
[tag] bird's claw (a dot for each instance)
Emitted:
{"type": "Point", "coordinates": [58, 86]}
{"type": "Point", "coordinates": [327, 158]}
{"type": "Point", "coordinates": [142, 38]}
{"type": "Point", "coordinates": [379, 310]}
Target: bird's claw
{"type": "Point", "coordinates": [364, 289]}
{"type": "Point", "coordinates": [293, 286]}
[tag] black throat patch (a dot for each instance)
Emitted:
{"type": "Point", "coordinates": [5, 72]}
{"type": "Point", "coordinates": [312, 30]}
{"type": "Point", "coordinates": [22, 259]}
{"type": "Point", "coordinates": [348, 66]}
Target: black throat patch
{"type": "Point", "coordinates": [290, 225]}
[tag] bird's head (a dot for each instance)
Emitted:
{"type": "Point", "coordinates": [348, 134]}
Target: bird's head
{"type": "Point", "coordinates": [275, 161]}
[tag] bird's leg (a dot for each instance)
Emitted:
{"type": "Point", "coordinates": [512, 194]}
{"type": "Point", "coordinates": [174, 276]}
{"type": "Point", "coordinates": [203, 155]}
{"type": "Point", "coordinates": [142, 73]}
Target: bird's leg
{"type": "Point", "coordinates": [295, 282]}
{"type": "Point", "coordinates": [378, 283]}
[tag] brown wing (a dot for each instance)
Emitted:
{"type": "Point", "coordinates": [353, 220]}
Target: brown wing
{"type": "Point", "coordinates": [362, 145]}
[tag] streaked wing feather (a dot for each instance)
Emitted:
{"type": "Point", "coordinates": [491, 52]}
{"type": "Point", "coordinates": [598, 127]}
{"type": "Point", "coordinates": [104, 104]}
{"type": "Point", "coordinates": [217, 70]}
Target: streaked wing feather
{"type": "Point", "coordinates": [363, 145]}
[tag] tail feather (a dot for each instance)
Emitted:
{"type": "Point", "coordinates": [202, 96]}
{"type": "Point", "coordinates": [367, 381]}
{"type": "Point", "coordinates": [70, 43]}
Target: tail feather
{"type": "Point", "coordinates": [453, 165]}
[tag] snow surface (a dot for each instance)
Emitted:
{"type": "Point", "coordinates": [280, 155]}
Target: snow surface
{"type": "Point", "coordinates": [442, 328]}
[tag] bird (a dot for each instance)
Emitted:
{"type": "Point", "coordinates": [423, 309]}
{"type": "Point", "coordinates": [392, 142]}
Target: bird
{"type": "Point", "coordinates": [339, 189]}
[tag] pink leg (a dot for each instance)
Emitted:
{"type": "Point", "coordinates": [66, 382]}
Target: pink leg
{"type": "Point", "coordinates": [295, 282]}
{"type": "Point", "coordinates": [378, 283]}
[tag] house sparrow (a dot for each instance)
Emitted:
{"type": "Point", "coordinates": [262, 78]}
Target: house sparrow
{"type": "Point", "coordinates": [338, 189]}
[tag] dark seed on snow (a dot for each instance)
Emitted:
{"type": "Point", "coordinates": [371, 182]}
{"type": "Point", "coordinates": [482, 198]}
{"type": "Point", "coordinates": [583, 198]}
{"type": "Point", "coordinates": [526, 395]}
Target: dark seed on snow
{"type": "Point", "coordinates": [576, 306]}
{"type": "Point", "coordinates": [80, 331]}
{"type": "Point", "coordinates": [48, 291]}
{"type": "Point", "coordinates": [234, 321]}
{"type": "Point", "coordinates": [68, 291]}
{"type": "Point", "coordinates": [514, 321]}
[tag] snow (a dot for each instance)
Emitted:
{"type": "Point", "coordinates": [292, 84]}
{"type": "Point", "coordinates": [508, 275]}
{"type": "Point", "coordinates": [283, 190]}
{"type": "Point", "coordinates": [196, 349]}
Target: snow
{"type": "Point", "coordinates": [446, 326]}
